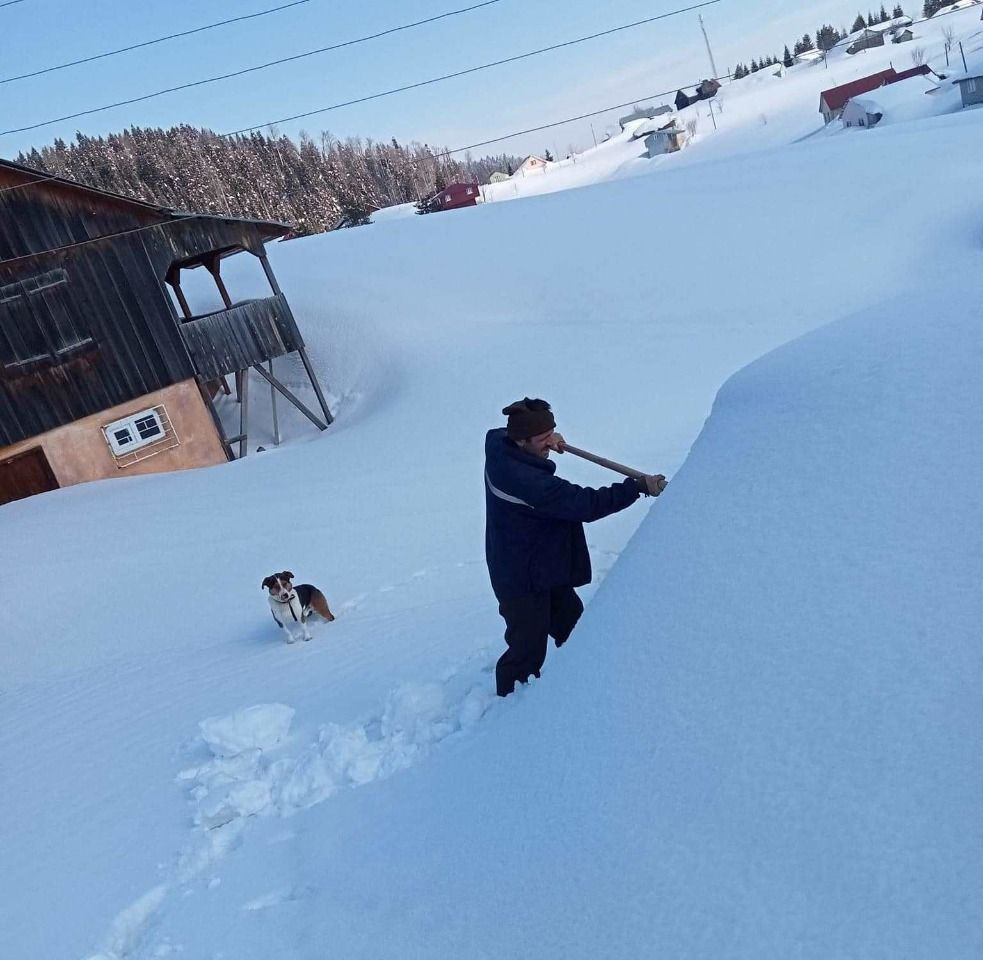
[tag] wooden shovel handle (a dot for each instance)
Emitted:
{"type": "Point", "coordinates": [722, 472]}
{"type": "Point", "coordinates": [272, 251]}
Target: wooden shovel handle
{"type": "Point", "coordinates": [603, 461]}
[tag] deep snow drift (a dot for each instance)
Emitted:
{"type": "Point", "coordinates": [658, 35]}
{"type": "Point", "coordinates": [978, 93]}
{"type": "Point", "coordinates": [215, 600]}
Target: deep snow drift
{"type": "Point", "coordinates": [763, 740]}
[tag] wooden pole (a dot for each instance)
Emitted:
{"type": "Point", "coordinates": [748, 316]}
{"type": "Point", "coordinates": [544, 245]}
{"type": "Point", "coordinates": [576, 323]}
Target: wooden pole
{"type": "Point", "coordinates": [603, 462]}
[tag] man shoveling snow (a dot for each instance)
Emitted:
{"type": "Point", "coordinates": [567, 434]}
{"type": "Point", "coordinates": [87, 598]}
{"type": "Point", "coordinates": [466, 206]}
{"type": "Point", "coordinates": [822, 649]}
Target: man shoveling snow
{"type": "Point", "coordinates": [534, 535]}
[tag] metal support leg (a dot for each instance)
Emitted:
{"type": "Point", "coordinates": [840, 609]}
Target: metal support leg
{"type": "Point", "coordinates": [276, 419]}
{"type": "Point", "coordinates": [290, 396]}
{"type": "Point", "coordinates": [243, 377]}
{"type": "Point", "coordinates": [317, 387]}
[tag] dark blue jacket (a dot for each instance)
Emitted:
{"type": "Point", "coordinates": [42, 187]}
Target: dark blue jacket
{"type": "Point", "coordinates": [534, 534]}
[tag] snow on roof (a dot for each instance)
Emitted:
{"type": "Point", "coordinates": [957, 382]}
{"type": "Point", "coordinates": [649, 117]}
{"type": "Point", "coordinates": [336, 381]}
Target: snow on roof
{"type": "Point", "coordinates": [904, 100]}
{"type": "Point", "coordinates": [889, 25]}
{"type": "Point", "coordinates": [836, 97]}
{"type": "Point", "coordinates": [975, 70]}
{"type": "Point", "coordinates": [655, 125]}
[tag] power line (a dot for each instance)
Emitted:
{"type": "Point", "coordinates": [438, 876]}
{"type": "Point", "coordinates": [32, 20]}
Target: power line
{"type": "Point", "coordinates": [147, 43]}
{"type": "Point", "coordinates": [470, 70]}
{"type": "Point", "coordinates": [260, 66]}
{"type": "Point", "coordinates": [10, 3]}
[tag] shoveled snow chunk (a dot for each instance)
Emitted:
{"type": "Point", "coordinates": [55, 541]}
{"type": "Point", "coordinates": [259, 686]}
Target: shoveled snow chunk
{"type": "Point", "coordinates": [260, 727]}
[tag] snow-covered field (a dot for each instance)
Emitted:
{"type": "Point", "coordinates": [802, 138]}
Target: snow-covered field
{"type": "Point", "coordinates": [763, 741]}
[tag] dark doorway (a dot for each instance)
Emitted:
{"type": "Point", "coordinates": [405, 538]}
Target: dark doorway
{"type": "Point", "coordinates": [24, 475]}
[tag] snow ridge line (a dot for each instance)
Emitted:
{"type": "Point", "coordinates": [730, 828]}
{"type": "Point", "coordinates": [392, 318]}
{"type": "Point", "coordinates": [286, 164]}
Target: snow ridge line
{"type": "Point", "coordinates": [246, 777]}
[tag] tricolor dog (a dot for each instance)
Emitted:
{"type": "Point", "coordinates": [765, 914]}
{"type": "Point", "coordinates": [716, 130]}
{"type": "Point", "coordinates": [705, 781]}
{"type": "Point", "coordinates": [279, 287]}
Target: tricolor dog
{"type": "Point", "coordinates": [293, 606]}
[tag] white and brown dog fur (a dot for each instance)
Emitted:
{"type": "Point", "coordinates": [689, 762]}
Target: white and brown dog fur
{"type": "Point", "coordinates": [293, 606]}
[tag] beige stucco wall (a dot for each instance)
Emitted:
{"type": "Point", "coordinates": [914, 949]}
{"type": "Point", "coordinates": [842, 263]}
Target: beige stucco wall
{"type": "Point", "coordinates": [78, 451]}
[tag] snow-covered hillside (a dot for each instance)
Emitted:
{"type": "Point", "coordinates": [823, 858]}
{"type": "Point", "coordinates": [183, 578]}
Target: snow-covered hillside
{"type": "Point", "coordinates": [762, 741]}
{"type": "Point", "coordinates": [771, 108]}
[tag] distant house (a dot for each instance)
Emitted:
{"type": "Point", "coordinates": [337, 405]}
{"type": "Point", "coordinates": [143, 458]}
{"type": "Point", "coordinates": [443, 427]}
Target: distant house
{"type": "Point", "coordinates": [532, 164]}
{"type": "Point", "coordinates": [498, 177]}
{"type": "Point", "coordinates": [971, 88]}
{"type": "Point", "coordinates": [668, 139]}
{"type": "Point", "coordinates": [809, 56]}
{"type": "Point", "coordinates": [832, 101]}
{"type": "Point", "coordinates": [860, 112]}
{"type": "Point", "coordinates": [705, 89]}
{"type": "Point", "coordinates": [452, 197]}
{"type": "Point", "coordinates": [644, 113]}
{"type": "Point", "coordinates": [866, 40]}
{"type": "Point", "coordinates": [651, 126]}
{"type": "Point", "coordinates": [902, 36]}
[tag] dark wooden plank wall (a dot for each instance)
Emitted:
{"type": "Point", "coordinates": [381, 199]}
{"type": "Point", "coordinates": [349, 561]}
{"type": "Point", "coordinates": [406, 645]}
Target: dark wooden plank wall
{"type": "Point", "coordinates": [46, 216]}
{"type": "Point", "coordinates": [115, 295]}
{"type": "Point", "coordinates": [118, 301]}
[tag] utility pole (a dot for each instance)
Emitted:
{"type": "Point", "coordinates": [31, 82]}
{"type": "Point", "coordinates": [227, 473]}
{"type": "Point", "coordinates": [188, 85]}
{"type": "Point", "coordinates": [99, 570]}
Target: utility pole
{"type": "Point", "coordinates": [706, 39]}
{"type": "Point", "coordinates": [594, 135]}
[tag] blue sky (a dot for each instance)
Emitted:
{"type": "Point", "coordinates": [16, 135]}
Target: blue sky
{"type": "Point", "coordinates": [622, 67]}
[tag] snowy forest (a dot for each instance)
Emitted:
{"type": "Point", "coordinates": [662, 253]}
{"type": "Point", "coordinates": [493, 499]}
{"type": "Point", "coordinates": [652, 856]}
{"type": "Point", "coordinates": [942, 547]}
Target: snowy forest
{"type": "Point", "coordinates": [313, 185]}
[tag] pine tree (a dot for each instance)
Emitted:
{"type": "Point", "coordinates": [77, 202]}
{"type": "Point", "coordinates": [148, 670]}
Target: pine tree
{"type": "Point", "coordinates": [754, 66]}
{"type": "Point", "coordinates": [267, 176]}
{"type": "Point", "coordinates": [547, 156]}
{"type": "Point", "coordinates": [883, 15]}
{"type": "Point", "coordinates": [897, 12]}
{"type": "Point", "coordinates": [787, 59]}
{"type": "Point", "coordinates": [807, 43]}
{"type": "Point", "coordinates": [858, 24]}
{"type": "Point", "coordinates": [827, 36]}
{"type": "Point", "coordinates": [870, 19]}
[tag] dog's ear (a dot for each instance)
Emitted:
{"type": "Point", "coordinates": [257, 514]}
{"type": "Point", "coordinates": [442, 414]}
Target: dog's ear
{"type": "Point", "coordinates": [266, 583]}
{"type": "Point", "coordinates": [287, 575]}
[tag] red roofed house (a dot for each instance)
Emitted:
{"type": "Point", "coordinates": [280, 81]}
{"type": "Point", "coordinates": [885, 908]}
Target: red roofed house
{"type": "Point", "coordinates": [832, 101]}
{"type": "Point", "coordinates": [454, 195]}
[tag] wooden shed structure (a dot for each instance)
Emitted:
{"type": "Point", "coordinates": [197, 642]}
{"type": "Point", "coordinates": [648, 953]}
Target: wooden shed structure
{"type": "Point", "coordinates": [102, 373]}
{"type": "Point", "coordinates": [452, 197]}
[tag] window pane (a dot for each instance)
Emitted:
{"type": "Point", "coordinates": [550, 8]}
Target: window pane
{"type": "Point", "coordinates": [123, 436]}
{"type": "Point", "coordinates": [148, 427]}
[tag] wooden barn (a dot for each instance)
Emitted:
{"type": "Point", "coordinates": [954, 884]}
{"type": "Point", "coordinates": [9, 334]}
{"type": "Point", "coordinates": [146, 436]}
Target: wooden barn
{"type": "Point", "coordinates": [452, 197]}
{"type": "Point", "coordinates": [102, 372]}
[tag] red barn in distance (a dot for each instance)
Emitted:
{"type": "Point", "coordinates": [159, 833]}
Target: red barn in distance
{"type": "Point", "coordinates": [832, 101]}
{"type": "Point", "coordinates": [454, 195]}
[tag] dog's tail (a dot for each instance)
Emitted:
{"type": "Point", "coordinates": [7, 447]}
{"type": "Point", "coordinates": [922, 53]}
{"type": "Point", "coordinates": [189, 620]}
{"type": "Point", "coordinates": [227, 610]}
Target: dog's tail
{"type": "Point", "coordinates": [320, 605]}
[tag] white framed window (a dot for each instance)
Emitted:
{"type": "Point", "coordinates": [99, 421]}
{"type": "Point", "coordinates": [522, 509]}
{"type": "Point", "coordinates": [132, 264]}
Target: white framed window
{"type": "Point", "coordinates": [135, 431]}
{"type": "Point", "coordinates": [971, 86]}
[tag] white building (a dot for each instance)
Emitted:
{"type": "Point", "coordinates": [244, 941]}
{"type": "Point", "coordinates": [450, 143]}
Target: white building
{"type": "Point", "coordinates": [532, 164]}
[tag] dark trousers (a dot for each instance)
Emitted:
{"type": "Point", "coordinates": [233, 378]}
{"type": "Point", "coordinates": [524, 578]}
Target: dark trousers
{"type": "Point", "coordinates": [530, 620]}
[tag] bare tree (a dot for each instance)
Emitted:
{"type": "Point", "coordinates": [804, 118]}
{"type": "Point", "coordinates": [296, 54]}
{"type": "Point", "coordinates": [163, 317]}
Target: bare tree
{"type": "Point", "coordinates": [691, 126]}
{"type": "Point", "coordinates": [918, 56]}
{"type": "Point", "coordinates": [948, 34]}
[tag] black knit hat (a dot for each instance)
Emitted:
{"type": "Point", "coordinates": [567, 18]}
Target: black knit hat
{"type": "Point", "coordinates": [529, 418]}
